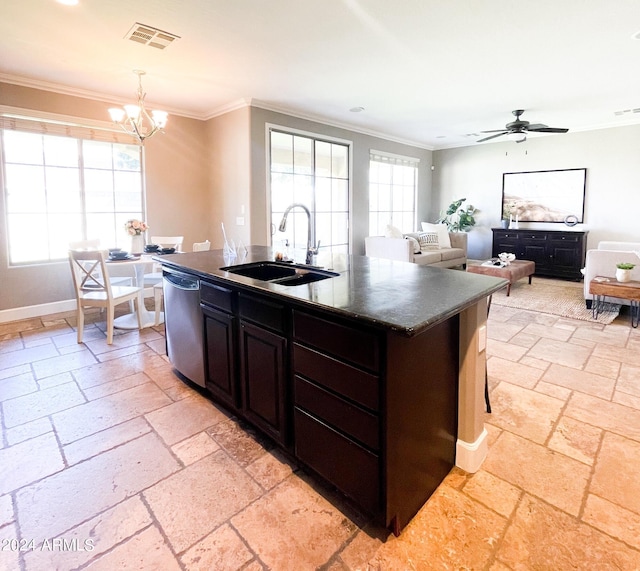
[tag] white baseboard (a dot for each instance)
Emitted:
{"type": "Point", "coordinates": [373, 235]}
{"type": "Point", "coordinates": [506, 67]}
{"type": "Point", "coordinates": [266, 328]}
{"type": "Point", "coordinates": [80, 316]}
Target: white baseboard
{"type": "Point", "coordinates": [471, 455]}
{"type": "Point", "coordinates": [30, 311]}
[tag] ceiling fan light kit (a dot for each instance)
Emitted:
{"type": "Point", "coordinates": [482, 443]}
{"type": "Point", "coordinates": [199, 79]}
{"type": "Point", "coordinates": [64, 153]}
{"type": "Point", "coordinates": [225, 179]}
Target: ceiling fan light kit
{"type": "Point", "coordinates": [517, 130]}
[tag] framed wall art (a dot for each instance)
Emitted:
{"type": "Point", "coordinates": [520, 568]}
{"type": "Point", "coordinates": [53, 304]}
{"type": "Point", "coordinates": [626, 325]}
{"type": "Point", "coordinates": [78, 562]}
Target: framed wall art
{"type": "Point", "coordinates": [545, 196]}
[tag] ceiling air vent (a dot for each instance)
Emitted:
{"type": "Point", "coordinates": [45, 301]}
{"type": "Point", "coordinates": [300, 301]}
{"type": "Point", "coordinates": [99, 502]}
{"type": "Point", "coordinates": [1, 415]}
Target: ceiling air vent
{"type": "Point", "coordinates": [626, 111]}
{"type": "Point", "coordinates": [150, 36]}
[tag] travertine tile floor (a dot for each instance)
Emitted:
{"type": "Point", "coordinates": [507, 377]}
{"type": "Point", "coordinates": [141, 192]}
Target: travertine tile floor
{"type": "Point", "coordinates": [109, 461]}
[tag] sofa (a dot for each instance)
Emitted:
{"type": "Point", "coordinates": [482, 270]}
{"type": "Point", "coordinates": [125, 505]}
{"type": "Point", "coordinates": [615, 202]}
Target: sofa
{"type": "Point", "coordinates": [407, 249]}
{"type": "Point", "coordinates": [602, 262]}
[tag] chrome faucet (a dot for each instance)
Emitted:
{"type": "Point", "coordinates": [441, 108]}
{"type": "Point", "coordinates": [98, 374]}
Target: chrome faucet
{"type": "Point", "coordinates": [311, 250]}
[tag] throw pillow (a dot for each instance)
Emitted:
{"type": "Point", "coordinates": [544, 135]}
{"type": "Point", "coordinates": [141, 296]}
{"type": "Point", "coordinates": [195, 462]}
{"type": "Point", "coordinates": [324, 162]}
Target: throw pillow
{"type": "Point", "coordinates": [443, 233]}
{"type": "Point", "coordinates": [428, 241]}
{"type": "Point", "coordinates": [392, 232]}
{"type": "Point", "coordinates": [416, 244]}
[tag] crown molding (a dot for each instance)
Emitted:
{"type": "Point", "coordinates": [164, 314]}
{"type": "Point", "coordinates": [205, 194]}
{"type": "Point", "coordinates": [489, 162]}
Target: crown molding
{"type": "Point", "coordinates": [84, 93]}
{"type": "Point", "coordinates": [338, 124]}
{"type": "Point", "coordinates": [216, 112]}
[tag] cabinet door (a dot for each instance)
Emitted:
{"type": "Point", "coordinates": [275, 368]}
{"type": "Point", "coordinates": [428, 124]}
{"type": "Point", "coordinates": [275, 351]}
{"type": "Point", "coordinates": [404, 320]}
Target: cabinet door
{"type": "Point", "coordinates": [220, 356]}
{"type": "Point", "coordinates": [505, 241]}
{"type": "Point", "coordinates": [536, 253]}
{"type": "Point", "coordinates": [263, 378]}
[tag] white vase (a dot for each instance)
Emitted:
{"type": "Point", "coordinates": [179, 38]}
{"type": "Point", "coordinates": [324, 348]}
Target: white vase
{"type": "Point", "coordinates": [623, 275]}
{"type": "Point", "coordinates": [137, 244]}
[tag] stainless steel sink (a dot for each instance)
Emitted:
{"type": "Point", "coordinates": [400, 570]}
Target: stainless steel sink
{"type": "Point", "coordinates": [281, 273]}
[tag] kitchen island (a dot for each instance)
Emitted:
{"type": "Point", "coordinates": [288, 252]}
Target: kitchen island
{"type": "Point", "coordinates": [373, 378]}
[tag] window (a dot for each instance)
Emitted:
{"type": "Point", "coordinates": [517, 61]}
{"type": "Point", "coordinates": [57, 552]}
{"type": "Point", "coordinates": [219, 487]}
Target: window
{"type": "Point", "coordinates": [61, 188]}
{"type": "Point", "coordinates": [393, 187]}
{"type": "Point", "coordinates": [313, 172]}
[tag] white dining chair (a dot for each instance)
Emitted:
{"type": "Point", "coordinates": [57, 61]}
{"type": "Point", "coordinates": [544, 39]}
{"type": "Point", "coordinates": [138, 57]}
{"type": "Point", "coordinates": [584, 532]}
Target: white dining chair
{"type": "Point", "coordinates": [158, 300]}
{"type": "Point", "coordinates": [94, 244]}
{"type": "Point", "coordinates": [155, 277]}
{"type": "Point", "coordinates": [201, 246]}
{"type": "Point", "coordinates": [93, 289]}
{"type": "Point", "coordinates": [168, 242]}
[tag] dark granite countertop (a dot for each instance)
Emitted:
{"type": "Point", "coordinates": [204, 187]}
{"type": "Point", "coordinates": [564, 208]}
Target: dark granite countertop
{"type": "Point", "coordinates": [400, 296]}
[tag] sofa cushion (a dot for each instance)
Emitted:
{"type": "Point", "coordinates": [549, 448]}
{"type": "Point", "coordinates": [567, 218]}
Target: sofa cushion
{"type": "Point", "coordinates": [428, 257]}
{"type": "Point", "coordinates": [443, 233]}
{"type": "Point", "coordinates": [452, 253]}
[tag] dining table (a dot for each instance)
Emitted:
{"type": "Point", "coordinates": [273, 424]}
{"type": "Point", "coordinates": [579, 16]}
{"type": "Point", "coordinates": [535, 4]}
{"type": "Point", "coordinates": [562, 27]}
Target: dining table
{"type": "Point", "coordinates": [138, 263]}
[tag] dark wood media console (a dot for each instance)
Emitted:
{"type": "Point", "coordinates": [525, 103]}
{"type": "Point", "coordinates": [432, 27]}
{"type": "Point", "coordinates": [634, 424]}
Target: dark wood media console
{"type": "Point", "coordinates": [556, 253]}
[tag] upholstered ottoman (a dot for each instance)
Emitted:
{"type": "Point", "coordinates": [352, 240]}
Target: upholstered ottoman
{"type": "Point", "coordinates": [516, 270]}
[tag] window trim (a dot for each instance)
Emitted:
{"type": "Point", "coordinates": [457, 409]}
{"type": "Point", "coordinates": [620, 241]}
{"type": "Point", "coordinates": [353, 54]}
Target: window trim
{"type": "Point", "coordinates": [318, 137]}
{"type": "Point", "coordinates": [395, 159]}
{"type": "Point", "coordinates": [62, 126]}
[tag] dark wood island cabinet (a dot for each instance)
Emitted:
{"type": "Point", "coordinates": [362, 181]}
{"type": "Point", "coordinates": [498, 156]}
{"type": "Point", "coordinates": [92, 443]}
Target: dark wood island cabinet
{"type": "Point", "coordinates": [368, 405]}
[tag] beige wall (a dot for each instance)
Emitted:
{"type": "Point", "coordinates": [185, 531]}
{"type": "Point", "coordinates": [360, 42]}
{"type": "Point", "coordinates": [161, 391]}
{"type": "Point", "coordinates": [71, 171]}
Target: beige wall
{"type": "Point", "coordinates": [228, 166]}
{"type": "Point", "coordinates": [178, 193]}
{"type": "Point", "coordinates": [612, 189]}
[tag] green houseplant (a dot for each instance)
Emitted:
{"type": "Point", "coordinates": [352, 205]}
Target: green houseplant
{"type": "Point", "coordinates": [623, 271]}
{"type": "Point", "coordinates": [458, 218]}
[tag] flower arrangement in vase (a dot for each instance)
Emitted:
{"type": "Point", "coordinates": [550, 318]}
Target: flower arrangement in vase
{"type": "Point", "coordinates": [623, 271]}
{"type": "Point", "coordinates": [136, 228]}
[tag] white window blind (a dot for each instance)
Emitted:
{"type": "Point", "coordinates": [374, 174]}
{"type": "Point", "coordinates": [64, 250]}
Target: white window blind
{"type": "Point", "coordinates": [11, 121]}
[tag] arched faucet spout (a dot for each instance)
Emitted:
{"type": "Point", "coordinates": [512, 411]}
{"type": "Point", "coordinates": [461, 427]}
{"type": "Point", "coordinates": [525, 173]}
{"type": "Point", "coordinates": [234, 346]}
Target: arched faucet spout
{"type": "Point", "coordinates": [283, 226]}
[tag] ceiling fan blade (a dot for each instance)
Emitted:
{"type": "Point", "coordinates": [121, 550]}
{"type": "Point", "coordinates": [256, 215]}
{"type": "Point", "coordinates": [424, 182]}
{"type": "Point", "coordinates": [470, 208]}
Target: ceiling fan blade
{"type": "Point", "coordinates": [537, 126]}
{"type": "Point", "coordinates": [492, 136]}
{"type": "Point", "coordinates": [546, 129]}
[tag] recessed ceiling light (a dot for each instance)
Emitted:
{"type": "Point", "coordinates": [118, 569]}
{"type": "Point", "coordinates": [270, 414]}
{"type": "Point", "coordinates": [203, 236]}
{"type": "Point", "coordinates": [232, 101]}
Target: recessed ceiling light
{"type": "Point", "coordinates": [636, 36]}
{"type": "Point", "coordinates": [68, 2]}
{"type": "Point", "coordinates": [356, 109]}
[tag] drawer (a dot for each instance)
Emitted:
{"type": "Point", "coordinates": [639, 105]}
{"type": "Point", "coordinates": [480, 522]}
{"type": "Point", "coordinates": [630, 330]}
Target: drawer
{"type": "Point", "coordinates": [339, 377]}
{"type": "Point", "coordinates": [345, 464]}
{"type": "Point", "coordinates": [338, 413]}
{"type": "Point", "coordinates": [534, 236]}
{"type": "Point", "coordinates": [357, 346]}
{"type": "Point", "coordinates": [262, 311]}
{"type": "Point", "coordinates": [570, 237]}
{"type": "Point", "coordinates": [505, 235]}
{"type": "Point", "coordinates": [217, 296]}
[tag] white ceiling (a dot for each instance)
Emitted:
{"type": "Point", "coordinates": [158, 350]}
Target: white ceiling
{"type": "Point", "coordinates": [430, 72]}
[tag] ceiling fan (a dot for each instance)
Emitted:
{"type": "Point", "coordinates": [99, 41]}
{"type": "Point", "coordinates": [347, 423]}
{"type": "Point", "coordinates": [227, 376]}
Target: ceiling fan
{"type": "Point", "coordinates": [517, 130]}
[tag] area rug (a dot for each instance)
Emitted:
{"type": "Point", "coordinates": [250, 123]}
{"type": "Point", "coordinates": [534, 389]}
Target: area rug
{"type": "Point", "coordinates": [556, 297]}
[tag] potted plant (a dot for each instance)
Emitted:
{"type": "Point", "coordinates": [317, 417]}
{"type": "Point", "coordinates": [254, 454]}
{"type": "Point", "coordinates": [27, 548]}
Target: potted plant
{"type": "Point", "coordinates": [623, 271]}
{"type": "Point", "coordinates": [458, 218]}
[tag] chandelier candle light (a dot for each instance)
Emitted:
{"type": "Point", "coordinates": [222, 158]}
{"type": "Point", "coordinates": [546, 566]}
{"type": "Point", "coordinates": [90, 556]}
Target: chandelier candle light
{"type": "Point", "coordinates": [135, 119]}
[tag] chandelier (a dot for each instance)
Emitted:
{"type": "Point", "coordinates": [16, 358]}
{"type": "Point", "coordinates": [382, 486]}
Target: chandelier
{"type": "Point", "coordinates": [135, 119]}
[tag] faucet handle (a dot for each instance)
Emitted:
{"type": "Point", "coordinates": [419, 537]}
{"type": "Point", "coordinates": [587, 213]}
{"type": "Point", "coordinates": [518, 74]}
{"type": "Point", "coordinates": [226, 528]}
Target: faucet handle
{"type": "Point", "coordinates": [314, 249]}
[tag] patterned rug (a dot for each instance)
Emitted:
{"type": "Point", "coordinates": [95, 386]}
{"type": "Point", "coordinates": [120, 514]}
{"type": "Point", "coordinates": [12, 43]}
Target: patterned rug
{"type": "Point", "coordinates": [556, 297]}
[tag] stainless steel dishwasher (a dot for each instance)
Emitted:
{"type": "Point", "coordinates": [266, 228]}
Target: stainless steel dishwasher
{"type": "Point", "coordinates": [184, 324]}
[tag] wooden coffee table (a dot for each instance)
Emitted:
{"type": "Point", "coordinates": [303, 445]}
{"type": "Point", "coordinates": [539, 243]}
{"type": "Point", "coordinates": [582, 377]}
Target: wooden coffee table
{"type": "Point", "coordinates": [516, 270]}
{"type": "Point", "coordinates": [603, 286]}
